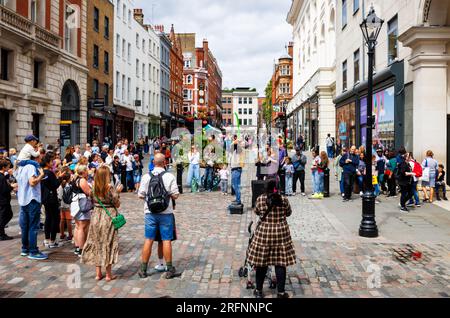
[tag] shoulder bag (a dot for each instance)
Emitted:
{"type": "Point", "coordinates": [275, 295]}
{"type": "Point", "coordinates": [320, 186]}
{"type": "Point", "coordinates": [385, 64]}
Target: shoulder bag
{"type": "Point", "coordinates": [119, 221]}
{"type": "Point", "coordinates": [426, 172]}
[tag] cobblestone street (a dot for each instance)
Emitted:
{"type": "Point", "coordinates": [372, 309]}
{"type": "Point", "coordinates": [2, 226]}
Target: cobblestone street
{"type": "Point", "coordinates": [211, 246]}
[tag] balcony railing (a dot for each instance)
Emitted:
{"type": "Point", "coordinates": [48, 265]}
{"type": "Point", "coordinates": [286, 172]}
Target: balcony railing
{"type": "Point", "coordinates": [31, 30]}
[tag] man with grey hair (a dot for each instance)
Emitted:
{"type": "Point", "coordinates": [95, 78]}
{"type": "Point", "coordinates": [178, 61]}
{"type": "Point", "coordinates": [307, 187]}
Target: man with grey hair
{"type": "Point", "coordinates": [162, 222]}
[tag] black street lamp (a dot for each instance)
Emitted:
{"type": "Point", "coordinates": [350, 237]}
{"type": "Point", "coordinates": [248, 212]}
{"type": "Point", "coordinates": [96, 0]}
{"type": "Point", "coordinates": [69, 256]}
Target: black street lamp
{"type": "Point", "coordinates": [371, 27]}
{"type": "Point", "coordinates": [285, 123]}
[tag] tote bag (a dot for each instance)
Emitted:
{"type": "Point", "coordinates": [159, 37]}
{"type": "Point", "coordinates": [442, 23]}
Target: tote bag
{"type": "Point", "coordinates": [426, 172]}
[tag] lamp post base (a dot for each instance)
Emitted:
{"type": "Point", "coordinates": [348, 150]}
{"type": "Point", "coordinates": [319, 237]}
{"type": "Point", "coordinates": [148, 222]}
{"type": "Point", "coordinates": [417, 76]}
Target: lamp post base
{"type": "Point", "coordinates": [368, 226]}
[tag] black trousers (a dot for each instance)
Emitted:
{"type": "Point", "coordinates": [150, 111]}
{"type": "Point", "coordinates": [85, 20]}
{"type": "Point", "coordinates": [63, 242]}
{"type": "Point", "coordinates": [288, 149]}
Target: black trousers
{"type": "Point", "coordinates": [6, 215]}
{"type": "Point", "coordinates": [392, 185]}
{"type": "Point", "coordinates": [52, 219]}
{"type": "Point", "coordinates": [349, 181]}
{"type": "Point", "coordinates": [280, 272]}
{"type": "Point", "coordinates": [180, 169]}
{"type": "Point", "coordinates": [406, 194]}
{"type": "Point", "coordinates": [299, 175]}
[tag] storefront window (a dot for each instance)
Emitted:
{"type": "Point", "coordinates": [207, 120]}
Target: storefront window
{"type": "Point", "coordinates": [384, 111]}
{"type": "Point", "coordinates": [346, 124]}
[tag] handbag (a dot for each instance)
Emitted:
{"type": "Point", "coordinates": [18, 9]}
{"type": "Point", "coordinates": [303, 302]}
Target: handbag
{"type": "Point", "coordinates": [426, 172]}
{"type": "Point", "coordinates": [85, 203]}
{"type": "Point", "coordinates": [119, 221]}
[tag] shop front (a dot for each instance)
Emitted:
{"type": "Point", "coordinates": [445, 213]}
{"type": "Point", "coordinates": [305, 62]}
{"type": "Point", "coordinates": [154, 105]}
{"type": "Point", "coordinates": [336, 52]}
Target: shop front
{"type": "Point", "coordinates": [388, 111]}
{"type": "Point", "coordinates": [140, 127]}
{"type": "Point", "coordinates": [124, 123]}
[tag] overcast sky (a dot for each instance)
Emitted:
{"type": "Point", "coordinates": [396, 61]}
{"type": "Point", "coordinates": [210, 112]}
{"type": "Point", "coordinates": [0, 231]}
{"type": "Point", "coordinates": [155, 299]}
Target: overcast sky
{"type": "Point", "coordinates": [245, 36]}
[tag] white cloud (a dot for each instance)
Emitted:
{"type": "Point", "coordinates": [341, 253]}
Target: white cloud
{"type": "Point", "coordinates": [245, 36]}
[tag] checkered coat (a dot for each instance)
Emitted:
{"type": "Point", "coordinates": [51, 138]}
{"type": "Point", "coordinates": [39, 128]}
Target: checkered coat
{"type": "Point", "coordinates": [272, 243]}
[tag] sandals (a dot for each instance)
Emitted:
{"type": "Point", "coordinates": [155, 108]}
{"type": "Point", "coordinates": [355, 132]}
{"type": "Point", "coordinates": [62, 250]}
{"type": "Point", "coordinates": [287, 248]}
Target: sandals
{"type": "Point", "coordinates": [110, 279]}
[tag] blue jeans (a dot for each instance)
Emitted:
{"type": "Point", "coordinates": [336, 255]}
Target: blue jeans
{"type": "Point", "coordinates": [289, 183]}
{"type": "Point", "coordinates": [415, 194]}
{"type": "Point", "coordinates": [320, 180]}
{"type": "Point", "coordinates": [377, 190]}
{"type": "Point", "coordinates": [193, 172]}
{"type": "Point", "coordinates": [29, 220]}
{"type": "Point", "coordinates": [209, 173]}
{"type": "Point", "coordinates": [224, 186]}
{"type": "Point", "coordinates": [361, 183]}
{"type": "Point", "coordinates": [236, 183]}
{"type": "Point", "coordinates": [314, 181]}
{"type": "Point", "coordinates": [342, 185]}
{"type": "Point", "coordinates": [330, 152]}
{"type": "Point", "coordinates": [130, 180]}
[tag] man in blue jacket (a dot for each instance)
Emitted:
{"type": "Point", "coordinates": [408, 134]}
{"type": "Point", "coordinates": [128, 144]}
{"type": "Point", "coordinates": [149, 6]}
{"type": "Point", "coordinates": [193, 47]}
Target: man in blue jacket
{"type": "Point", "coordinates": [349, 163]}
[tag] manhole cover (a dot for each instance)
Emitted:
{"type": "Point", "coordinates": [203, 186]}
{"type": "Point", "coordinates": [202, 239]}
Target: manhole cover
{"type": "Point", "coordinates": [409, 254]}
{"type": "Point", "coordinates": [63, 257]}
{"type": "Point", "coordinates": [11, 294]}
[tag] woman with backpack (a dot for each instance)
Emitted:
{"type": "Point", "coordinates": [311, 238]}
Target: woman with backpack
{"type": "Point", "coordinates": [102, 245]}
{"type": "Point", "coordinates": [417, 169]}
{"type": "Point", "coordinates": [430, 167]}
{"type": "Point", "coordinates": [272, 243]}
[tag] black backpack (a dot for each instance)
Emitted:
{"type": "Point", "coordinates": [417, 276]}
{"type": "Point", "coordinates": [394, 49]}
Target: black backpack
{"type": "Point", "coordinates": [158, 199]}
{"type": "Point", "coordinates": [68, 192]}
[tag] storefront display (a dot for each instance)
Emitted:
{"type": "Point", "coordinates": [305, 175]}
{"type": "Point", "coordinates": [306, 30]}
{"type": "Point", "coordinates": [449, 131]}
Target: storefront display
{"type": "Point", "coordinates": [384, 112]}
{"type": "Point", "coordinates": [346, 124]}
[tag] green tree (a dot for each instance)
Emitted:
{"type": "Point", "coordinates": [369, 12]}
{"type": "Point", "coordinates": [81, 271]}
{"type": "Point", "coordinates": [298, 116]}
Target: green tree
{"type": "Point", "coordinates": [268, 107]}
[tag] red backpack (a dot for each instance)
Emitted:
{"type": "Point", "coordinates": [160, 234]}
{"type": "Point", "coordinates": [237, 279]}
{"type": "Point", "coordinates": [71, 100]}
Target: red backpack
{"type": "Point", "coordinates": [418, 170]}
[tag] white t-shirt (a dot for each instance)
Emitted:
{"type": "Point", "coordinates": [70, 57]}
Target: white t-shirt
{"type": "Point", "coordinates": [128, 161]}
{"type": "Point", "coordinates": [27, 153]}
{"type": "Point", "coordinates": [224, 174]}
{"type": "Point", "coordinates": [87, 154]}
{"type": "Point", "coordinates": [170, 183]}
{"type": "Point", "coordinates": [194, 158]}
{"type": "Point", "coordinates": [108, 161]}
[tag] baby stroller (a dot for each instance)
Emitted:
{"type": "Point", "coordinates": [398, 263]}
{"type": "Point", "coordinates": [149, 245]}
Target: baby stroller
{"type": "Point", "coordinates": [248, 271]}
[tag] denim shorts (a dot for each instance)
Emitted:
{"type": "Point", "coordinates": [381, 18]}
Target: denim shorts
{"type": "Point", "coordinates": [164, 223]}
{"type": "Point", "coordinates": [137, 179]}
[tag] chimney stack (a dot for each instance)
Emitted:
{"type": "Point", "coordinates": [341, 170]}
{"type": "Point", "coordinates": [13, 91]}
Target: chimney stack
{"type": "Point", "coordinates": [291, 49]}
{"type": "Point", "coordinates": [159, 28]}
{"type": "Point", "coordinates": [139, 16]}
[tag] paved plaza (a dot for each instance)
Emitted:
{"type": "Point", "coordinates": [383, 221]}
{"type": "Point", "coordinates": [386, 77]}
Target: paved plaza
{"type": "Point", "coordinates": [411, 258]}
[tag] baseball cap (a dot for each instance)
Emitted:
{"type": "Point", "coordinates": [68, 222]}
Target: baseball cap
{"type": "Point", "coordinates": [31, 138]}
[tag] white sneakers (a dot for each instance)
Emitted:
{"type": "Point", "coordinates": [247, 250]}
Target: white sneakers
{"type": "Point", "coordinates": [160, 268]}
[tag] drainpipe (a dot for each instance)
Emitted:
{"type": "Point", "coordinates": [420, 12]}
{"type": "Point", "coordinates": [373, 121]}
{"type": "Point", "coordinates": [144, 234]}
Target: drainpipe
{"type": "Point", "coordinates": [363, 45]}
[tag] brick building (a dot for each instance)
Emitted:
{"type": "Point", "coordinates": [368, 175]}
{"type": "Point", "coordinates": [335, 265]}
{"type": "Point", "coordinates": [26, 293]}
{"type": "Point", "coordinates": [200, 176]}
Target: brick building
{"type": "Point", "coordinates": [282, 86]}
{"type": "Point", "coordinates": [43, 74]}
{"type": "Point", "coordinates": [100, 56]}
{"type": "Point", "coordinates": [176, 80]}
{"type": "Point", "coordinates": [227, 108]}
{"type": "Point", "coordinates": [202, 82]}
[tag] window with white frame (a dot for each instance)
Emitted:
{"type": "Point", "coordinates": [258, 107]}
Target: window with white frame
{"type": "Point", "coordinates": [129, 90]}
{"type": "Point", "coordinates": [189, 79]}
{"type": "Point", "coordinates": [123, 87]}
{"type": "Point", "coordinates": [117, 84]}
{"type": "Point", "coordinates": [118, 45]}
{"type": "Point", "coordinates": [124, 47]}
{"type": "Point", "coordinates": [392, 39]}
{"type": "Point", "coordinates": [187, 94]}
{"type": "Point", "coordinates": [137, 67]}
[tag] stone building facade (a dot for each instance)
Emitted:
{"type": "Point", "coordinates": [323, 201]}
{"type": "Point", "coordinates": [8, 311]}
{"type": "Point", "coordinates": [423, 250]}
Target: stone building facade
{"type": "Point", "coordinates": [312, 110]}
{"type": "Point", "coordinates": [43, 74]}
{"type": "Point", "coordinates": [412, 75]}
{"type": "Point", "coordinates": [176, 81]}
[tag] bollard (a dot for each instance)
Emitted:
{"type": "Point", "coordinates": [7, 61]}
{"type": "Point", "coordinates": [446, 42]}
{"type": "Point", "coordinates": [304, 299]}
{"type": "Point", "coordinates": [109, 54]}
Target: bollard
{"type": "Point", "coordinates": [326, 183]}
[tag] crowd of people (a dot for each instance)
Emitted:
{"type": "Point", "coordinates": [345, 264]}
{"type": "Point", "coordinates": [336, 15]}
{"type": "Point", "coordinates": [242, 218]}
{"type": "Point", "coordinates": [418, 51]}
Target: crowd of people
{"type": "Point", "coordinates": [80, 192]}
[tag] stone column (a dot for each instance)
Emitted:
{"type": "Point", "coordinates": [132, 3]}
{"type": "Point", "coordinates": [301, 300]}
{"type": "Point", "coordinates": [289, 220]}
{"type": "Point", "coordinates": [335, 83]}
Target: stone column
{"type": "Point", "coordinates": [327, 115]}
{"type": "Point", "coordinates": [429, 61]}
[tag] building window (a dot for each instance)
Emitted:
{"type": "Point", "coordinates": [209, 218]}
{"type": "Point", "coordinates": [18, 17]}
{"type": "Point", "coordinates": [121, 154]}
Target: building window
{"type": "Point", "coordinates": [245, 122]}
{"type": "Point", "coordinates": [240, 122]}
{"type": "Point", "coordinates": [187, 94]}
{"type": "Point", "coordinates": [106, 28]}
{"type": "Point", "coordinates": [117, 84]}
{"type": "Point", "coordinates": [106, 94]}
{"type": "Point", "coordinates": [250, 101]}
{"type": "Point", "coordinates": [129, 52]}
{"type": "Point", "coordinates": [187, 63]}
{"type": "Point", "coordinates": [240, 100]}
{"type": "Point", "coordinates": [70, 33]}
{"type": "Point", "coordinates": [392, 39]}
{"type": "Point", "coordinates": [250, 111]}
{"type": "Point", "coordinates": [137, 41]}
{"type": "Point", "coordinates": [189, 79]}
{"type": "Point", "coordinates": [124, 14]}
{"type": "Point", "coordinates": [95, 64]}
{"type": "Point", "coordinates": [95, 89]}
{"type": "Point", "coordinates": [35, 125]}
{"type": "Point", "coordinates": [124, 46]}
{"type": "Point", "coordinates": [96, 19]}
{"type": "Point", "coordinates": [250, 122]}
{"type": "Point", "coordinates": [356, 66]}
{"type": "Point", "coordinates": [118, 8]}
{"type": "Point", "coordinates": [6, 65]}
{"type": "Point", "coordinates": [143, 71]}
{"type": "Point", "coordinates": [355, 6]}
{"type": "Point", "coordinates": [143, 45]}
{"type": "Point", "coordinates": [123, 87]}
{"type": "Point", "coordinates": [344, 13]}
{"type": "Point", "coordinates": [240, 111]}
{"type": "Point", "coordinates": [230, 111]}
{"type": "Point", "coordinates": [39, 75]}
{"type": "Point", "coordinates": [137, 93]}
{"type": "Point", "coordinates": [129, 90]}
{"type": "Point", "coordinates": [137, 67]}
{"type": "Point", "coordinates": [344, 76]}
{"type": "Point", "coordinates": [118, 45]}
{"type": "Point", "coordinates": [106, 62]}
{"type": "Point", "coordinates": [129, 16]}
{"type": "Point", "coordinates": [230, 100]}
{"type": "Point", "coordinates": [245, 111]}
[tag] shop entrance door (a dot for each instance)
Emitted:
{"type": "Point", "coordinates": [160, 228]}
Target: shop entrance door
{"type": "Point", "coordinates": [4, 128]}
